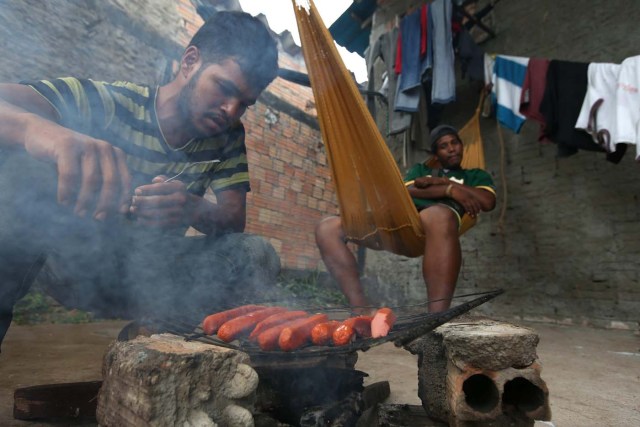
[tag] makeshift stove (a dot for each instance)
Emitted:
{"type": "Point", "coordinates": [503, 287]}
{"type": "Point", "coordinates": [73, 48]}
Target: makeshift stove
{"type": "Point", "coordinates": [177, 375]}
{"type": "Point", "coordinates": [182, 376]}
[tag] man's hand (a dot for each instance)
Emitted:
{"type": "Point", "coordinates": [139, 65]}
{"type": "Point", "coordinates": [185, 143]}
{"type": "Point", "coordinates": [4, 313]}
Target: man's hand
{"type": "Point", "coordinates": [163, 204]}
{"type": "Point", "coordinates": [93, 176]}
{"type": "Point", "coordinates": [468, 200]}
{"type": "Point", "coordinates": [474, 200]}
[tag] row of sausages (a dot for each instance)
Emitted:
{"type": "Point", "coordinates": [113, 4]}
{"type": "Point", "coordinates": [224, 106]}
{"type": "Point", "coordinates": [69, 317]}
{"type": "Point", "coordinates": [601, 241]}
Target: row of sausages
{"type": "Point", "coordinates": [275, 328]}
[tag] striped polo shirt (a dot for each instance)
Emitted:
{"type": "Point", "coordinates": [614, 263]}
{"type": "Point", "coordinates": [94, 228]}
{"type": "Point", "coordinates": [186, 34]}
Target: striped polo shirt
{"type": "Point", "coordinates": [124, 114]}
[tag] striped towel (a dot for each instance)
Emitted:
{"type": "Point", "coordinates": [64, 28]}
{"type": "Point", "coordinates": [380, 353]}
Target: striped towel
{"type": "Point", "coordinates": [507, 78]}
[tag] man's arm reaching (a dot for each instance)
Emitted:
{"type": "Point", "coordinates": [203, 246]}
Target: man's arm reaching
{"type": "Point", "coordinates": [93, 177]}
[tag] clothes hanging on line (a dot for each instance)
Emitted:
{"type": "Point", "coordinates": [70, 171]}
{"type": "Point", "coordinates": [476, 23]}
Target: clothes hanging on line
{"type": "Point", "coordinates": [425, 46]}
{"type": "Point", "coordinates": [418, 53]}
{"type": "Point", "coordinates": [489, 64]}
{"type": "Point", "coordinates": [628, 103]}
{"type": "Point", "coordinates": [471, 57]}
{"type": "Point", "coordinates": [522, 89]}
{"type": "Point", "coordinates": [386, 49]}
{"type": "Point", "coordinates": [565, 89]}
{"type": "Point", "coordinates": [443, 76]}
{"type": "Point", "coordinates": [598, 109]}
{"type": "Point", "coordinates": [413, 66]}
{"type": "Point", "coordinates": [610, 112]}
{"type": "Point", "coordinates": [533, 87]}
{"type": "Point", "coordinates": [507, 79]}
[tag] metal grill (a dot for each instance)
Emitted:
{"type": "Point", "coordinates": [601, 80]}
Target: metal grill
{"type": "Point", "coordinates": [407, 328]}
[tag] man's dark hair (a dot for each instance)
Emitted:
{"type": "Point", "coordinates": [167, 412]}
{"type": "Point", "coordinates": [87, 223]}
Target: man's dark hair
{"type": "Point", "coordinates": [243, 38]}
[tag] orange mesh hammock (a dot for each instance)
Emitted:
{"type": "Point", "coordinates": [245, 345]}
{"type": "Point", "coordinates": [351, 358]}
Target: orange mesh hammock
{"type": "Point", "coordinates": [375, 206]}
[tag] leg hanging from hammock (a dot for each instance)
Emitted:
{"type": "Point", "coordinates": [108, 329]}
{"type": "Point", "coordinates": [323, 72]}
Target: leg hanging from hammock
{"type": "Point", "coordinates": [440, 265]}
{"type": "Point", "coordinates": [340, 261]}
{"type": "Point", "coordinates": [442, 255]}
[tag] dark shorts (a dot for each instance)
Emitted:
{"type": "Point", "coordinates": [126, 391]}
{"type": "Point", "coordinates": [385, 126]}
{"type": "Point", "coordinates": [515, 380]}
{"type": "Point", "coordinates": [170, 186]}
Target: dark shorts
{"type": "Point", "coordinates": [456, 207]}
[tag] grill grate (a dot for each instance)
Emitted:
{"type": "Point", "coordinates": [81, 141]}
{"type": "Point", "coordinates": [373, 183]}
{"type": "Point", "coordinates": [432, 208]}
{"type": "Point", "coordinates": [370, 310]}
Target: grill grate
{"type": "Point", "coordinates": [408, 327]}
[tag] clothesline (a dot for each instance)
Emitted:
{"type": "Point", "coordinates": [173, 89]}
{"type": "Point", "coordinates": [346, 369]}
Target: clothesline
{"type": "Point", "coordinates": [579, 106]}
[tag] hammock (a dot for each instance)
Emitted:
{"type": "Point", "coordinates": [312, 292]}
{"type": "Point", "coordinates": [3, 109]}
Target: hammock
{"type": "Point", "coordinates": [375, 206]}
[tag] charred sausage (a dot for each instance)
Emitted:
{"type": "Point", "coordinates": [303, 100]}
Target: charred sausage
{"type": "Point", "coordinates": [212, 322]}
{"type": "Point", "coordinates": [322, 333]}
{"type": "Point", "coordinates": [296, 335]}
{"type": "Point", "coordinates": [343, 335]}
{"type": "Point", "coordinates": [347, 331]}
{"type": "Point", "coordinates": [362, 325]}
{"type": "Point", "coordinates": [274, 320]}
{"type": "Point", "coordinates": [382, 322]}
{"type": "Point", "coordinates": [237, 326]}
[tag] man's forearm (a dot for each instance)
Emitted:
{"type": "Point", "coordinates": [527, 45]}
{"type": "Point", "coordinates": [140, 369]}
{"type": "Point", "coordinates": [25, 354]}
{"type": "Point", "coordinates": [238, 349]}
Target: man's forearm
{"type": "Point", "coordinates": [13, 125]}
{"type": "Point", "coordinates": [441, 191]}
{"type": "Point", "coordinates": [22, 109]}
{"type": "Point", "coordinates": [211, 218]}
{"type": "Point", "coordinates": [434, 191]}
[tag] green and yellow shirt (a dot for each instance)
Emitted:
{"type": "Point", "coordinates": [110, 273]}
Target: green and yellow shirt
{"type": "Point", "coordinates": [477, 178]}
{"type": "Point", "coordinates": [124, 114]}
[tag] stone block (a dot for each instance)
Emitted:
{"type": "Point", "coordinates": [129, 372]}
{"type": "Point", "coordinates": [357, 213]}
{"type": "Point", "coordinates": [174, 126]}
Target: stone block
{"type": "Point", "coordinates": [164, 380]}
{"type": "Point", "coordinates": [474, 371]}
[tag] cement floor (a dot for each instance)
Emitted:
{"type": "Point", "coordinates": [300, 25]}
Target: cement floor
{"type": "Point", "coordinates": [593, 375]}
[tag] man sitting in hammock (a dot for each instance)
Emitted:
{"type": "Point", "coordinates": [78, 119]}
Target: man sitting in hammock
{"type": "Point", "coordinates": [442, 197]}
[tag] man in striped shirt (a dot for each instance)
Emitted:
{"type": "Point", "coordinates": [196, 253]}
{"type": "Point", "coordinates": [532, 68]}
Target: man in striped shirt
{"type": "Point", "coordinates": [103, 179]}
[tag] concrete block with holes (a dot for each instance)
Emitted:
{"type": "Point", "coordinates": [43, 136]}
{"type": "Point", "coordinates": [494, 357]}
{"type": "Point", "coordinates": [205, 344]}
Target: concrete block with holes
{"type": "Point", "coordinates": [474, 371]}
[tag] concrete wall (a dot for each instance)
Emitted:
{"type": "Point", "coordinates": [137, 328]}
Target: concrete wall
{"type": "Point", "coordinates": [568, 249]}
{"type": "Point", "coordinates": [138, 41]}
{"type": "Point", "coordinates": [98, 39]}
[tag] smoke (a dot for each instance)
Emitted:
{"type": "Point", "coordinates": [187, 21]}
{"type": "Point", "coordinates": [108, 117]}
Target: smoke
{"type": "Point", "coordinates": [118, 268]}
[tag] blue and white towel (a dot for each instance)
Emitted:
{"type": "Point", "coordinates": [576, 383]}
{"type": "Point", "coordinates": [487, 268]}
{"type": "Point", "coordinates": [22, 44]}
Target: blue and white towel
{"type": "Point", "coordinates": [507, 78]}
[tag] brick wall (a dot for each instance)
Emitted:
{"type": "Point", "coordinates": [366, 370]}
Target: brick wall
{"type": "Point", "coordinates": [291, 187]}
{"type": "Point", "coordinates": [568, 250]}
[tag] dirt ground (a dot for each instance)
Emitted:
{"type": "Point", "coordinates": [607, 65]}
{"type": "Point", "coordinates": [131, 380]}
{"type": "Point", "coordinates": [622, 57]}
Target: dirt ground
{"type": "Point", "coordinates": [593, 375]}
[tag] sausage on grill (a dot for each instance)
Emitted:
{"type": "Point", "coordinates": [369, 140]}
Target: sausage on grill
{"type": "Point", "coordinates": [343, 335]}
{"type": "Point", "coordinates": [212, 322]}
{"type": "Point", "coordinates": [237, 326]}
{"type": "Point", "coordinates": [349, 328]}
{"type": "Point", "coordinates": [322, 333]}
{"type": "Point", "coordinates": [296, 335]}
{"type": "Point", "coordinates": [382, 322]}
{"type": "Point", "coordinates": [274, 320]}
{"type": "Point", "coordinates": [268, 339]}
{"type": "Point", "coordinates": [362, 325]}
